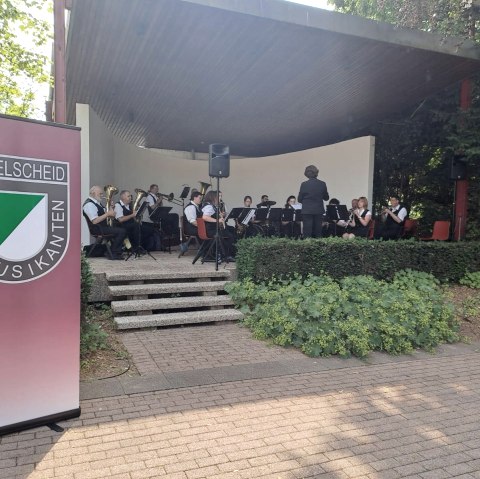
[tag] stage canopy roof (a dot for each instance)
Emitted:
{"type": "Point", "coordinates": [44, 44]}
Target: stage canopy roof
{"type": "Point", "coordinates": [262, 76]}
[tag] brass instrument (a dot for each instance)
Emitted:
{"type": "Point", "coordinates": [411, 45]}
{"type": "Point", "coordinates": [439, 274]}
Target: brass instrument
{"type": "Point", "coordinates": [240, 229]}
{"type": "Point", "coordinates": [170, 198]}
{"type": "Point", "coordinates": [203, 187]}
{"type": "Point", "coordinates": [140, 195]}
{"type": "Point", "coordinates": [127, 244]}
{"type": "Point", "coordinates": [110, 192]}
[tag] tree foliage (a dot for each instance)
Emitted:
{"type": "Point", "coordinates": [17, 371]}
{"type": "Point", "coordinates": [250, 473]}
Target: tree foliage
{"type": "Point", "coordinates": [451, 17]}
{"type": "Point", "coordinates": [22, 65]}
{"type": "Point", "coordinates": [413, 154]}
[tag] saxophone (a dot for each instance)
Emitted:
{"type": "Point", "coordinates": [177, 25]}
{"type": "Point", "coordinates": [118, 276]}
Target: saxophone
{"type": "Point", "coordinates": [110, 192]}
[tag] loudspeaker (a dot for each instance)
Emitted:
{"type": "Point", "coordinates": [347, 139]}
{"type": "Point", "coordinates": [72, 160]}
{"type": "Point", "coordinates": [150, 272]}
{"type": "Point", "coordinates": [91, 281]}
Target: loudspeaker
{"type": "Point", "coordinates": [219, 161]}
{"type": "Point", "coordinates": [458, 168]}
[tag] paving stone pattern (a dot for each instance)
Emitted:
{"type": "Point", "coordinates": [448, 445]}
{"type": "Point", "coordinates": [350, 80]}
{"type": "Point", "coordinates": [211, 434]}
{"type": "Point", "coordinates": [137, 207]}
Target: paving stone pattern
{"type": "Point", "coordinates": [410, 419]}
{"type": "Point", "coordinates": [183, 349]}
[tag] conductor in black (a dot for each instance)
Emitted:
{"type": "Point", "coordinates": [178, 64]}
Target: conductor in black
{"type": "Point", "coordinates": [313, 193]}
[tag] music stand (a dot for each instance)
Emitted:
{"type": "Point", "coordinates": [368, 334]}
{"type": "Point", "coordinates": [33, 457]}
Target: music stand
{"type": "Point", "coordinates": [141, 210]}
{"type": "Point", "coordinates": [261, 214]}
{"type": "Point", "coordinates": [287, 217]}
{"type": "Point", "coordinates": [336, 213]}
{"type": "Point", "coordinates": [185, 191]}
{"type": "Point", "coordinates": [183, 195]}
{"type": "Point", "coordinates": [160, 213]}
{"type": "Point", "coordinates": [287, 214]}
{"type": "Point", "coordinates": [234, 214]}
{"type": "Point", "coordinates": [275, 214]}
{"type": "Point", "coordinates": [140, 249]}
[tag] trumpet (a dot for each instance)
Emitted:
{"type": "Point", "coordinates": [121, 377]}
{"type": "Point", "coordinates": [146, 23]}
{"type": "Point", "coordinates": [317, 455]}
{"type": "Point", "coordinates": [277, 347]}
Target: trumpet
{"type": "Point", "coordinates": [110, 192]}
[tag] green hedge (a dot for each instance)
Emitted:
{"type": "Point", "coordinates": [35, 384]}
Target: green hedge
{"type": "Point", "coordinates": [264, 258]}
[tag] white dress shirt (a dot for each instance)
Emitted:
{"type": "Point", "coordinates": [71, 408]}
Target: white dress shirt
{"type": "Point", "coordinates": [119, 210]}
{"type": "Point", "coordinates": [90, 209]}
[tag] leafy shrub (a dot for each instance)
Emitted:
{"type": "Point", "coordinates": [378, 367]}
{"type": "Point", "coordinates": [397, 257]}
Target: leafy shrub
{"type": "Point", "coordinates": [353, 315]}
{"type": "Point", "coordinates": [92, 336]}
{"type": "Point", "coordinates": [470, 308]}
{"type": "Point", "coordinates": [472, 280]}
{"type": "Point", "coordinates": [85, 284]}
{"type": "Point", "coordinates": [262, 259]}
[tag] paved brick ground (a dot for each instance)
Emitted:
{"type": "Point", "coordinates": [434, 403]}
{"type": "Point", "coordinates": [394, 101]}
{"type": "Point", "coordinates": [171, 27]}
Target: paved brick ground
{"type": "Point", "coordinates": [410, 419]}
{"type": "Point", "coordinates": [183, 349]}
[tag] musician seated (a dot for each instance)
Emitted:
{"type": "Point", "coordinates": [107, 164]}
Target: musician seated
{"type": "Point", "coordinates": [151, 231]}
{"type": "Point", "coordinates": [359, 224]}
{"type": "Point", "coordinates": [126, 217]}
{"type": "Point", "coordinates": [97, 216]}
{"type": "Point", "coordinates": [191, 212]}
{"type": "Point", "coordinates": [392, 221]}
{"type": "Point", "coordinates": [210, 213]}
{"type": "Point", "coordinates": [224, 214]}
{"type": "Point", "coordinates": [264, 202]}
{"type": "Point", "coordinates": [291, 229]}
{"type": "Point", "coordinates": [335, 226]}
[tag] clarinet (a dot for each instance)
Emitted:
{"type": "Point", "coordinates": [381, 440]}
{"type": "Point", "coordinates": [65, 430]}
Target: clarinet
{"type": "Point", "coordinates": [221, 212]}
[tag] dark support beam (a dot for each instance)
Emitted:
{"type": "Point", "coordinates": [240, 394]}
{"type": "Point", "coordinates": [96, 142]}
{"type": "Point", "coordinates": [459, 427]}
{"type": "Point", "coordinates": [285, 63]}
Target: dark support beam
{"type": "Point", "coordinates": [461, 186]}
{"type": "Point", "coordinates": [60, 91]}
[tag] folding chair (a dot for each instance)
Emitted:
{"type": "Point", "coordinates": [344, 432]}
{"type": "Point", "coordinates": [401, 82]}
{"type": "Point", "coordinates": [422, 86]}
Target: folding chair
{"type": "Point", "coordinates": [100, 237]}
{"type": "Point", "coordinates": [186, 240]}
{"type": "Point", "coordinates": [371, 229]}
{"type": "Point", "coordinates": [409, 229]}
{"type": "Point", "coordinates": [206, 241]}
{"type": "Point", "coordinates": [441, 232]}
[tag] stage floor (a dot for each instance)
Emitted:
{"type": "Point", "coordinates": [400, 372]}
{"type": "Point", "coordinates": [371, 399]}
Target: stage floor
{"type": "Point", "coordinates": [164, 261]}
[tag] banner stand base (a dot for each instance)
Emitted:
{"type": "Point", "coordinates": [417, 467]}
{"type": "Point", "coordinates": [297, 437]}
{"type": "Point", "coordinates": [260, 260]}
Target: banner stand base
{"type": "Point", "coordinates": [40, 421]}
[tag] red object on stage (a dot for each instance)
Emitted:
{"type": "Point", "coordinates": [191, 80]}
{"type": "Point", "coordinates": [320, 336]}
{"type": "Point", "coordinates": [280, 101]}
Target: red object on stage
{"type": "Point", "coordinates": [461, 200]}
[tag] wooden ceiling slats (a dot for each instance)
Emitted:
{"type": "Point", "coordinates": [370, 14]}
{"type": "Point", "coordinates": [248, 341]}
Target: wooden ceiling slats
{"type": "Point", "coordinates": [180, 75]}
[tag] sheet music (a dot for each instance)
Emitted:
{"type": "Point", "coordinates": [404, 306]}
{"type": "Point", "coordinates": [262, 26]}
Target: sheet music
{"type": "Point", "coordinates": [248, 217]}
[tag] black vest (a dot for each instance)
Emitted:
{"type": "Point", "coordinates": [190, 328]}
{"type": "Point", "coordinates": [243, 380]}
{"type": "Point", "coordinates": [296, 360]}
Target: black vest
{"type": "Point", "coordinates": [96, 228]}
{"type": "Point", "coordinates": [357, 221]}
{"type": "Point", "coordinates": [198, 210]}
{"type": "Point", "coordinates": [214, 208]}
{"type": "Point", "coordinates": [390, 221]}
{"type": "Point", "coordinates": [126, 213]}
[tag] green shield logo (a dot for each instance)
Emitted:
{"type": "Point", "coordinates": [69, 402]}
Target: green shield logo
{"type": "Point", "coordinates": [23, 231]}
{"type": "Point", "coordinates": [34, 225]}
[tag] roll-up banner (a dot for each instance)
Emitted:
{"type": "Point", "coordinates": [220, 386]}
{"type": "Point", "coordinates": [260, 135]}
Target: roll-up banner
{"type": "Point", "coordinates": [39, 273]}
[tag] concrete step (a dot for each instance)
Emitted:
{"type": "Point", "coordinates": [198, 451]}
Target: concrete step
{"type": "Point", "coordinates": [165, 275]}
{"type": "Point", "coordinates": [171, 319]}
{"type": "Point", "coordinates": [170, 303]}
{"type": "Point", "coordinates": [165, 288]}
